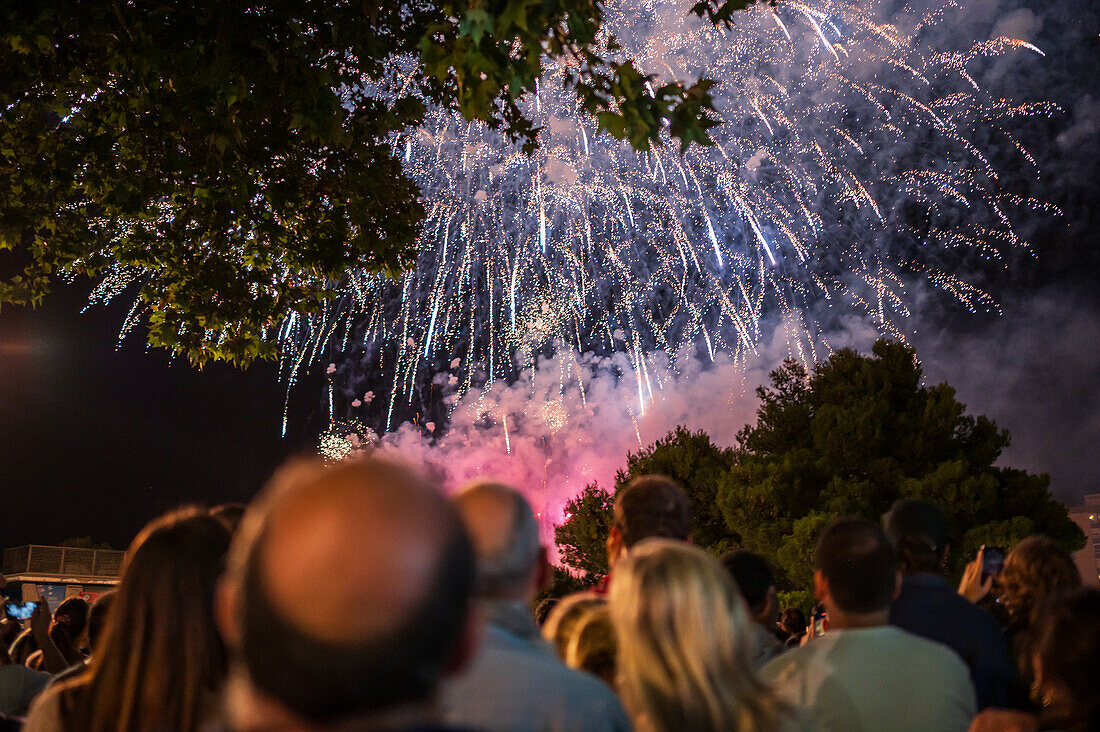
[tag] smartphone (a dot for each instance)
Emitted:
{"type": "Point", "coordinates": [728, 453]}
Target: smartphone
{"type": "Point", "coordinates": [993, 559]}
{"type": "Point", "coordinates": [819, 619]}
{"type": "Point", "coordinates": [19, 610]}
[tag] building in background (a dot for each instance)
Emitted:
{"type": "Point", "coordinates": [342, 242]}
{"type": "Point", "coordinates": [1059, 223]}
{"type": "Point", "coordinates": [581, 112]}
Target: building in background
{"type": "Point", "coordinates": [57, 573]}
{"type": "Point", "coordinates": [1087, 516]}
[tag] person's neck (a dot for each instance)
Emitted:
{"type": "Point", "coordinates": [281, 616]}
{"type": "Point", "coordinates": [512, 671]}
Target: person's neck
{"type": "Point", "coordinates": [844, 620]}
{"type": "Point", "coordinates": [250, 710]}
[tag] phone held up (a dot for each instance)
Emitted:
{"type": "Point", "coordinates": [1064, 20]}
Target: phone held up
{"type": "Point", "coordinates": [821, 623]}
{"type": "Point", "coordinates": [19, 610]}
{"type": "Point", "coordinates": [993, 559]}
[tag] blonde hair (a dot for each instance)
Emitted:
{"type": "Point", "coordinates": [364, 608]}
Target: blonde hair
{"type": "Point", "coordinates": [562, 620]}
{"type": "Point", "coordinates": [592, 645]}
{"type": "Point", "coordinates": [685, 646]}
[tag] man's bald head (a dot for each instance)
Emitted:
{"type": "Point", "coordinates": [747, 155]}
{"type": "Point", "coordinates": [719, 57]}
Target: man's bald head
{"type": "Point", "coordinates": [505, 535]}
{"type": "Point", "coordinates": [354, 584]}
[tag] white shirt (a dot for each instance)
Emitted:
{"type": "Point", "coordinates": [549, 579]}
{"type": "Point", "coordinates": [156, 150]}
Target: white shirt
{"type": "Point", "coordinates": [872, 679]}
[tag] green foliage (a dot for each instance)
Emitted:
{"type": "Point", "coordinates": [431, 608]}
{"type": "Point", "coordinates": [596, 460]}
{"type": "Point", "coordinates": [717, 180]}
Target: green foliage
{"type": "Point", "coordinates": [562, 583]}
{"type": "Point", "coordinates": [689, 458]}
{"type": "Point", "coordinates": [855, 435]}
{"type": "Point", "coordinates": [582, 537]}
{"type": "Point", "coordinates": [84, 542]}
{"type": "Point", "coordinates": [847, 440]}
{"type": "Point", "coordinates": [231, 157]}
{"type": "Point", "coordinates": [697, 464]}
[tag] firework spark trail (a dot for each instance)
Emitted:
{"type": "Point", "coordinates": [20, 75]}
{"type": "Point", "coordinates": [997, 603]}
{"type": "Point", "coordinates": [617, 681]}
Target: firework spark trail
{"type": "Point", "coordinates": [845, 162]}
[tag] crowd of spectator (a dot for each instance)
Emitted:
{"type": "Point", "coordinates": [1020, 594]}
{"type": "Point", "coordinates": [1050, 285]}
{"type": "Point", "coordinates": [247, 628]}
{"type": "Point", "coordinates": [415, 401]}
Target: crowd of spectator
{"type": "Point", "coordinates": [360, 597]}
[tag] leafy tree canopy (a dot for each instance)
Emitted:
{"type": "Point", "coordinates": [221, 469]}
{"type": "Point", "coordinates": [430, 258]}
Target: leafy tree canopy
{"type": "Point", "coordinates": [847, 439]}
{"type": "Point", "coordinates": [860, 432]}
{"type": "Point", "coordinates": [689, 458]}
{"type": "Point", "coordinates": [235, 155]}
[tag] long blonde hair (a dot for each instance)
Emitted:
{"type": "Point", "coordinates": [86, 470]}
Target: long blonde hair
{"type": "Point", "coordinates": [685, 646]}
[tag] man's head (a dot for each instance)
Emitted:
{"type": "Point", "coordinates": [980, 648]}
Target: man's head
{"type": "Point", "coordinates": [648, 506]}
{"type": "Point", "coordinates": [757, 584]}
{"type": "Point", "coordinates": [857, 568]}
{"type": "Point", "coordinates": [505, 535]}
{"type": "Point", "coordinates": [919, 532]}
{"type": "Point", "coordinates": [347, 593]}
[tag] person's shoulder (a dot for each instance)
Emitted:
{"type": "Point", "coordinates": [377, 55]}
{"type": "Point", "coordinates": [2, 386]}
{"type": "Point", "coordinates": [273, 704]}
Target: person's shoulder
{"type": "Point", "coordinates": [791, 661]}
{"type": "Point", "coordinates": [21, 672]}
{"type": "Point", "coordinates": [930, 651]}
{"type": "Point", "coordinates": [45, 711]}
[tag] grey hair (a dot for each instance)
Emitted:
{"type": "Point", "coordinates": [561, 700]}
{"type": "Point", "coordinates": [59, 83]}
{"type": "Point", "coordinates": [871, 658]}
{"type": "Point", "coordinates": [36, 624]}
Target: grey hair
{"type": "Point", "coordinates": [509, 566]}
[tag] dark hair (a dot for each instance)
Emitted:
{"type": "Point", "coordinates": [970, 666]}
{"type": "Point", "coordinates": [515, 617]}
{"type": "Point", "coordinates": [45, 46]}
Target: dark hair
{"type": "Point", "coordinates": [542, 610]}
{"type": "Point", "coordinates": [752, 576]}
{"type": "Point", "coordinates": [69, 620]}
{"type": "Point", "coordinates": [229, 514]}
{"type": "Point", "coordinates": [652, 505]}
{"type": "Point", "coordinates": [324, 681]}
{"type": "Point", "coordinates": [73, 615]}
{"type": "Point", "coordinates": [97, 618]}
{"type": "Point", "coordinates": [1067, 644]}
{"type": "Point", "coordinates": [794, 620]}
{"type": "Point", "coordinates": [859, 563]}
{"type": "Point", "coordinates": [919, 532]}
{"type": "Point", "coordinates": [160, 658]}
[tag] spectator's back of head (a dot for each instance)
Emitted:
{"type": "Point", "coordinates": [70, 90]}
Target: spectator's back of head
{"type": "Point", "coordinates": [159, 660]}
{"type": "Point", "coordinates": [652, 506]}
{"type": "Point", "coordinates": [1067, 659]}
{"type": "Point", "coordinates": [685, 642]}
{"type": "Point", "coordinates": [562, 621]}
{"type": "Point", "coordinates": [918, 530]}
{"type": "Point", "coordinates": [505, 535]}
{"type": "Point", "coordinates": [793, 621]}
{"type": "Point", "coordinates": [72, 616]}
{"type": "Point", "coordinates": [592, 646]}
{"type": "Point", "coordinates": [752, 575]}
{"type": "Point", "coordinates": [97, 618]}
{"type": "Point", "coordinates": [1034, 570]}
{"type": "Point", "coordinates": [348, 593]}
{"type": "Point", "coordinates": [860, 565]}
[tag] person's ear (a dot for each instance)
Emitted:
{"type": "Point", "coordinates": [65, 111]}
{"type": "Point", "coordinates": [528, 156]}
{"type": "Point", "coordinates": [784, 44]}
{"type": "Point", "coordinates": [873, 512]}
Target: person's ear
{"type": "Point", "coordinates": [614, 545]}
{"type": "Point", "coordinates": [226, 610]}
{"type": "Point", "coordinates": [821, 586]}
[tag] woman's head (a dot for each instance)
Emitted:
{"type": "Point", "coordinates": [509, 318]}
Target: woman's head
{"type": "Point", "coordinates": [562, 620]}
{"type": "Point", "coordinates": [793, 621]}
{"type": "Point", "coordinates": [684, 639]}
{"type": "Point", "coordinates": [1035, 569]}
{"type": "Point", "coordinates": [1066, 658]}
{"type": "Point", "coordinates": [161, 656]}
{"type": "Point", "coordinates": [69, 621]}
{"type": "Point", "coordinates": [592, 645]}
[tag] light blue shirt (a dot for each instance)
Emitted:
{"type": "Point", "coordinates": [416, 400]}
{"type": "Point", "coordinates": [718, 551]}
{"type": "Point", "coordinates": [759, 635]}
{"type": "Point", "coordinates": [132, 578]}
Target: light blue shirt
{"type": "Point", "coordinates": [516, 682]}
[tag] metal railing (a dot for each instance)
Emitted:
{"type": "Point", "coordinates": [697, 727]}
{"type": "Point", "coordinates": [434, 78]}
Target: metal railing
{"type": "Point", "coordinates": [62, 561]}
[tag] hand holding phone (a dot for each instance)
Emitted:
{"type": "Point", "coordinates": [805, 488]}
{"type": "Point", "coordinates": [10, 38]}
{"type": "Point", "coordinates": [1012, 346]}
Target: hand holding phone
{"type": "Point", "coordinates": [19, 610]}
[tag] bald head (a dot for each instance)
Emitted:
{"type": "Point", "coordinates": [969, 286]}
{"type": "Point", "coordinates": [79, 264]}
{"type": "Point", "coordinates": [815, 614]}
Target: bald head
{"type": "Point", "coordinates": [505, 535]}
{"type": "Point", "coordinates": [354, 587]}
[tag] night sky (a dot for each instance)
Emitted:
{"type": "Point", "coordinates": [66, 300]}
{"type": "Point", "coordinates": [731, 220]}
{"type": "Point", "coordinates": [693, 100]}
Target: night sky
{"type": "Point", "coordinates": [94, 440]}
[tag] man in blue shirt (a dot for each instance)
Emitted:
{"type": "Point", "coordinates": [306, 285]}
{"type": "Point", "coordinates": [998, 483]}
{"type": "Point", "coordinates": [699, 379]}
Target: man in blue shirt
{"type": "Point", "coordinates": [929, 607]}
